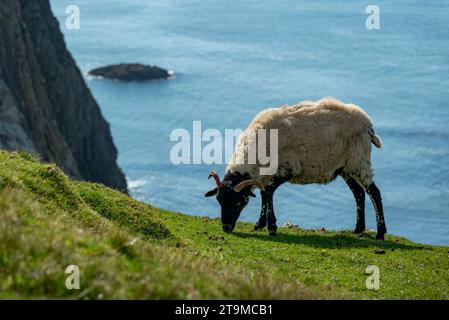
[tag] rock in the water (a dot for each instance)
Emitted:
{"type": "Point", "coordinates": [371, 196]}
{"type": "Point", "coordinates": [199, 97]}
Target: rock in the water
{"type": "Point", "coordinates": [131, 72]}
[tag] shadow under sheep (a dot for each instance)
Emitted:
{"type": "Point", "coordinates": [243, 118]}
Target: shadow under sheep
{"type": "Point", "coordinates": [323, 240]}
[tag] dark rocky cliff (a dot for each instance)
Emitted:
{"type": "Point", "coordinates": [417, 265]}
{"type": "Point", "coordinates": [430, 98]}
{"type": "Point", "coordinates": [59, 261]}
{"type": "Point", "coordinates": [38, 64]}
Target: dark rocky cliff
{"type": "Point", "coordinates": [45, 105]}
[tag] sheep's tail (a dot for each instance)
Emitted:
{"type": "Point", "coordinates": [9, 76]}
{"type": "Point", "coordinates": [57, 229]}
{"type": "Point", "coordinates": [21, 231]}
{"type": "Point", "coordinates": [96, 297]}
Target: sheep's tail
{"type": "Point", "coordinates": [375, 139]}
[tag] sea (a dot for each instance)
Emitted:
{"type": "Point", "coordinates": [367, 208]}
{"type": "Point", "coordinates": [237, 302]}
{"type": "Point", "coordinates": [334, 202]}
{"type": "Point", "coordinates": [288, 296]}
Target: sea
{"type": "Point", "coordinates": [232, 59]}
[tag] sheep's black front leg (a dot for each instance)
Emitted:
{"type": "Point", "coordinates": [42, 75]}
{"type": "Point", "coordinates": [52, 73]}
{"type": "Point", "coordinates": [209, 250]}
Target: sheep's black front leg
{"type": "Point", "coordinates": [263, 213]}
{"type": "Point", "coordinates": [267, 216]}
{"type": "Point", "coordinates": [376, 199]}
{"type": "Point", "coordinates": [271, 218]}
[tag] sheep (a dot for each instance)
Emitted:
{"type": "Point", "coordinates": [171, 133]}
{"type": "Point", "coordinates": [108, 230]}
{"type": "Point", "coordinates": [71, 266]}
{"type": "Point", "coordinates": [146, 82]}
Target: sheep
{"type": "Point", "coordinates": [318, 141]}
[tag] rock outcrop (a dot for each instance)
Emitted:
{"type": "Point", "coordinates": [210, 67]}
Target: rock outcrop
{"type": "Point", "coordinates": [45, 105]}
{"type": "Point", "coordinates": [131, 72]}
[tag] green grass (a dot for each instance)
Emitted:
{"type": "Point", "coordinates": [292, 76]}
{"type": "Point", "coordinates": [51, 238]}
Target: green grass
{"type": "Point", "coordinates": [127, 249]}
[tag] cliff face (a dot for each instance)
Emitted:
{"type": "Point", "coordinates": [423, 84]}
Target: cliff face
{"type": "Point", "coordinates": [45, 105]}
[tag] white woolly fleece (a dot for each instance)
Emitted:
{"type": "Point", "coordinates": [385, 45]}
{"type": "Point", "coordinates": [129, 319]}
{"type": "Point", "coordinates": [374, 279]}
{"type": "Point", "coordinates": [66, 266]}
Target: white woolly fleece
{"type": "Point", "coordinates": [315, 140]}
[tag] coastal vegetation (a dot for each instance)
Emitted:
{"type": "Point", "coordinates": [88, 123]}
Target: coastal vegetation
{"type": "Point", "coordinates": [127, 249]}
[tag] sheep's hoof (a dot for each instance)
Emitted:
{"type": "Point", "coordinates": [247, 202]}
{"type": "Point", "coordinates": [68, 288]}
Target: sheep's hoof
{"type": "Point", "coordinates": [380, 236]}
{"type": "Point", "coordinates": [258, 227]}
{"type": "Point", "coordinates": [272, 232]}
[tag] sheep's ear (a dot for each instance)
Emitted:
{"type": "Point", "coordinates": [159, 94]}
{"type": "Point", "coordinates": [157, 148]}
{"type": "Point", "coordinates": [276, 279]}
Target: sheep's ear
{"type": "Point", "coordinates": [251, 194]}
{"type": "Point", "coordinates": [211, 193]}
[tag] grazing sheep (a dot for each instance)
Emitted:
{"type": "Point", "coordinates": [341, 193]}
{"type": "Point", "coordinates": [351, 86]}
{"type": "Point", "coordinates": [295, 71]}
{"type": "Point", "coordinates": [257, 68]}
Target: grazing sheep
{"type": "Point", "coordinates": [318, 141]}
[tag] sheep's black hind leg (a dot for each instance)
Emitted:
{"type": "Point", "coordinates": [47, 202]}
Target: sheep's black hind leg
{"type": "Point", "coordinates": [376, 199]}
{"type": "Point", "coordinates": [359, 195]}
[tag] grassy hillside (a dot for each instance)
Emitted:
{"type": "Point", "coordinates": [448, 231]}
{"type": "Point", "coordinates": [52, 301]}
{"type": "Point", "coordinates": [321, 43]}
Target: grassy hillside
{"type": "Point", "coordinates": [126, 249]}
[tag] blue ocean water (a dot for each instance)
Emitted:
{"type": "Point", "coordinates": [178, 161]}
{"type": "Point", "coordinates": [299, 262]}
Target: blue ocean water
{"type": "Point", "coordinates": [235, 58]}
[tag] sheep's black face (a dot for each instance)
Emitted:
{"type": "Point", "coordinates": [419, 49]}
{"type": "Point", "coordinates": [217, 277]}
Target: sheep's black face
{"type": "Point", "coordinates": [232, 204]}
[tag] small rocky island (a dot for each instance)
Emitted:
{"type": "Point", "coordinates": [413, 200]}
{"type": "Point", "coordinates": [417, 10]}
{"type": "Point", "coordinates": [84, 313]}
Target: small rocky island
{"type": "Point", "coordinates": [131, 72]}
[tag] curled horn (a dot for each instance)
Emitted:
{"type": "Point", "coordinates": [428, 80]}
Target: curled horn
{"type": "Point", "coordinates": [247, 183]}
{"type": "Point", "coordinates": [217, 179]}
